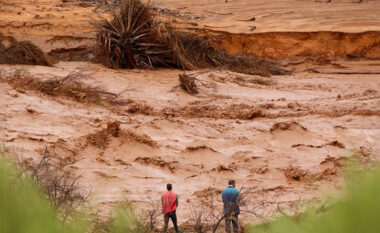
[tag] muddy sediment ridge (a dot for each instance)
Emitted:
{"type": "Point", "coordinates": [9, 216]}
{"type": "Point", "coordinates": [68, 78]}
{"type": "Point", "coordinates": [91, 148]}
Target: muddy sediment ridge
{"type": "Point", "coordinates": [129, 132]}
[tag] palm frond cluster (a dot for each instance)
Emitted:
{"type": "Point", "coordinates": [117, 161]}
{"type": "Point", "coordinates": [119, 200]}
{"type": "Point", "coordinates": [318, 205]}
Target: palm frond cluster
{"type": "Point", "coordinates": [134, 39]}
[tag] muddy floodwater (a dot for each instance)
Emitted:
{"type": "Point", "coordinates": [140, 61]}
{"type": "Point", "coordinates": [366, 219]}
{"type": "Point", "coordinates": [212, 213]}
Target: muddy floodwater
{"type": "Point", "coordinates": [286, 136]}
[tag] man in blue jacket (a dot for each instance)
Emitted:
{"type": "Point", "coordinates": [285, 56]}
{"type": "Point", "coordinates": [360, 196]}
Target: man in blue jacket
{"type": "Point", "coordinates": [231, 210]}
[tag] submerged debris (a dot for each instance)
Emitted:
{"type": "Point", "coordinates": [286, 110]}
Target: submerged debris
{"type": "Point", "coordinates": [70, 86]}
{"type": "Point", "coordinates": [187, 83]}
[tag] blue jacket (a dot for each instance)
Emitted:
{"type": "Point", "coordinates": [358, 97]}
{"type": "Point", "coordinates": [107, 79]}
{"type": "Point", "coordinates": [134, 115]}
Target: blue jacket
{"type": "Point", "coordinates": [230, 198]}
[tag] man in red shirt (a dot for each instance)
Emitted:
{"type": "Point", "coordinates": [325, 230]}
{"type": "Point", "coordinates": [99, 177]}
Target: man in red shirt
{"type": "Point", "coordinates": [169, 206]}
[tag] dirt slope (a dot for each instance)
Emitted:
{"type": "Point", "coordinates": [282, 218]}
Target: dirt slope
{"type": "Point", "coordinates": [341, 28]}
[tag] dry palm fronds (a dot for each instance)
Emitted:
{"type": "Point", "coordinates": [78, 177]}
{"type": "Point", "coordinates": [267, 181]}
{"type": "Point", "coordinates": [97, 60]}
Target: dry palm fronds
{"type": "Point", "coordinates": [133, 39]}
{"type": "Point", "coordinates": [70, 86]}
{"type": "Point", "coordinates": [192, 51]}
{"type": "Point", "coordinates": [23, 52]}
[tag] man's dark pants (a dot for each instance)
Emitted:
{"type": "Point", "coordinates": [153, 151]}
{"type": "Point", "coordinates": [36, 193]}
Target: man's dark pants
{"type": "Point", "coordinates": [173, 217]}
{"type": "Point", "coordinates": [232, 217]}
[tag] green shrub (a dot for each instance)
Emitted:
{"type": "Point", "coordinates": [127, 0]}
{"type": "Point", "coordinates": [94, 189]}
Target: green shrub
{"type": "Point", "coordinates": [21, 207]}
{"type": "Point", "coordinates": [125, 220]}
{"type": "Point", "coordinates": [358, 211]}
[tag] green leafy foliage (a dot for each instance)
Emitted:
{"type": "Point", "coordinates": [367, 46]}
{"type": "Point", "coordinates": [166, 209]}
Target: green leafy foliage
{"type": "Point", "coordinates": [125, 220]}
{"type": "Point", "coordinates": [21, 207]}
{"type": "Point", "coordinates": [358, 211]}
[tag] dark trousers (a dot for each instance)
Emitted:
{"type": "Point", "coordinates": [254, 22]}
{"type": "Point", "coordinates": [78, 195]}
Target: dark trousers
{"type": "Point", "coordinates": [173, 217]}
{"type": "Point", "coordinates": [232, 217]}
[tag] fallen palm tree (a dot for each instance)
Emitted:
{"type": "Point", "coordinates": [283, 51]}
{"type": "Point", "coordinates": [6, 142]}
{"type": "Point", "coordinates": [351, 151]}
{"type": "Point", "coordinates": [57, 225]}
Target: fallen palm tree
{"type": "Point", "coordinates": [134, 39]}
{"type": "Point", "coordinates": [23, 52]}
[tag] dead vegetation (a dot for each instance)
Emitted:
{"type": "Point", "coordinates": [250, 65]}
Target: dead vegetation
{"type": "Point", "coordinates": [71, 86]}
{"type": "Point", "coordinates": [199, 148]}
{"type": "Point", "coordinates": [102, 138]}
{"type": "Point", "coordinates": [141, 138]}
{"type": "Point", "coordinates": [187, 83]}
{"type": "Point", "coordinates": [135, 39]}
{"type": "Point", "coordinates": [262, 81]}
{"type": "Point", "coordinates": [231, 111]}
{"type": "Point", "coordinates": [159, 162]}
{"type": "Point", "coordinates": [23, 52]}
{"type": "Point", "coordinates": [127, 219]}
{"type": "Point", "coordinates": [140, 108]}
{"type": "Point", "coordinates": [59, 184]}
{"type": "Point", "coordinates": [287, 125]}
{"type": "Point", "coordinates": [208, 216]}
{"type": "Point", "coordinates": [265, 81]}
{"type": "Point", "coordinates": [296, 173]}
{"type": "Point", "coordinates": [151, 214]}
{"type": "Point", "coordinates": [191, 84]}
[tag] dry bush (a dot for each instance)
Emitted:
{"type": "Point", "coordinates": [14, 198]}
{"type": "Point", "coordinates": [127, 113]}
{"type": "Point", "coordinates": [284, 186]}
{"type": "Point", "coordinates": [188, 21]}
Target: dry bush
{"type": "Point", "coordinates": [70, 86]}
{"type": "Point", "coordinates": [190, 83]}
{"type": "Point", "coordinates": [55, 179]}
{"type": "Point", "coordinates": [198, 220]}
{"type": "Point", "coordinates": [208, 216]}
{"type": "Point", "coordinates": [205, 214]}
{"type": "Point", "coordinates": [131, 39]}
{"type": "Point", "coordinates": [187, 83]}
{"type": "Point", "coordinates": [192, 52]}
{"type": "Point", "coordinates": [125, 219]}
{"type": "Point", "coordinates": [150, 215]}
{"type": "Point", "coordinates": [23, 52]}
{"type": "Point", "coordinates": [134, 39]}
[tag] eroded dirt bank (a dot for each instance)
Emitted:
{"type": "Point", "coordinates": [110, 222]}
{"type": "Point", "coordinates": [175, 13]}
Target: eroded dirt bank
{"type": "Point", "coordinates": [292, 45]}
{"type": "Point", "coordinates": [282, 29]}
{"type": "Point", "coordinates": [288, 136]}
